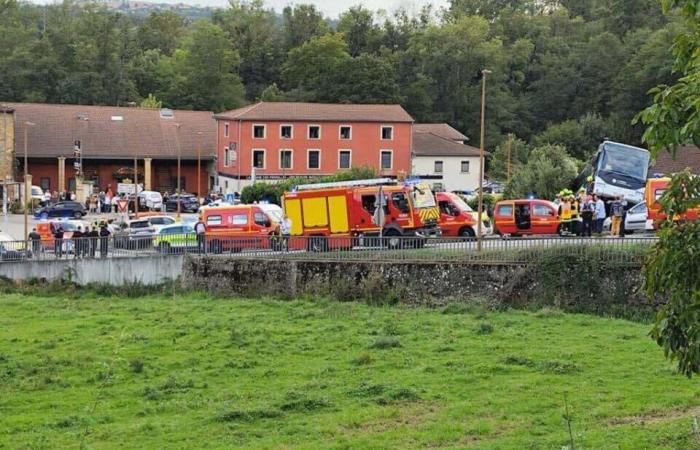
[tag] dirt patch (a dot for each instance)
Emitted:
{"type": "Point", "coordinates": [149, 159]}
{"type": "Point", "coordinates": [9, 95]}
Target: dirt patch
{"type": "Point", "coordinates": [656, 417]}
{"type": "Point", "coordinates": [403, 415]}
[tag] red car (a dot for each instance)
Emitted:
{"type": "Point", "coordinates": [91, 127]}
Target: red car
{"type": "Point", "coordinates": [526, 217]}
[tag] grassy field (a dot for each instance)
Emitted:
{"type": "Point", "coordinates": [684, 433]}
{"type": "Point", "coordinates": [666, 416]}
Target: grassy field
{"type": "Point", "coordinates": [196, 372]}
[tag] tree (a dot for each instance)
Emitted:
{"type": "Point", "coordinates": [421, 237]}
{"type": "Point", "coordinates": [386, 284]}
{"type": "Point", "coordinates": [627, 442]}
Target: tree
{"type": "Point", "coordinates": [150, 102]}
{"type": "Point", "coordinates": [310, 67]}
{"type": "Point", "coordinates": [672, 270]}
{"type": "Point", "coordinates": [580, 137]}
{"type": "Point", "coordinates": [359, 30]}
{"type": "Point", "coordinates": [498, 162]}
{"type": "Point", "coordinates": [365, 79]}
{"type": "Point", "coordinates": [161, 31]}
{"type": "Point", "coordinates": [301, 23]}
{"type": "Point", "coordinates": [549, 168]}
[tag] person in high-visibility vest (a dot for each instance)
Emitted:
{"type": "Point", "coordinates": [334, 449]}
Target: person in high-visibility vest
{"type": "Point", "coordinates": [575, 224]}
{"type": "Point", "coordinates": [565, 214]}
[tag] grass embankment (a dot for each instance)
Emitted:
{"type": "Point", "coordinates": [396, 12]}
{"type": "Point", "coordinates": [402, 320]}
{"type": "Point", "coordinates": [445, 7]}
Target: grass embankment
{"type": "Point", "coordinates": [194, 372]}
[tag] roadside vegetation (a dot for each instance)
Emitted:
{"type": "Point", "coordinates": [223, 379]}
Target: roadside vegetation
{"type": "Point", "coordinates": [171, 371]}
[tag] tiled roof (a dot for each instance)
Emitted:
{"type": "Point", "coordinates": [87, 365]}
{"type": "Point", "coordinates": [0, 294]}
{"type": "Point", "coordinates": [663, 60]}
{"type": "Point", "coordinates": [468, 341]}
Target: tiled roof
{"type": "Point", "coordinates": [441, 129]}
{"type": "Point", "coordinates": [687, 156]}
{"type": "Point", "coordinates": [140, 131]}
{"type": "Point", "coordinates": [430, 144]}
{"type": "Point", "coordinates": [321, 112]}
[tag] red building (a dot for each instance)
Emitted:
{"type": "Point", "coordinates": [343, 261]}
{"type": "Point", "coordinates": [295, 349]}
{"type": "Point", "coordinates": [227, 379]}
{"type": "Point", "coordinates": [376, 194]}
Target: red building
{"type": "Point", "coordinates": [110, 139]}
{"type": "Point", "coordinates": [274, 140]}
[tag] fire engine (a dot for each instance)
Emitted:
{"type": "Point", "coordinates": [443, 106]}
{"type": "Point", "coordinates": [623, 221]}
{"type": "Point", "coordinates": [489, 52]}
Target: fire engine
{"type": "Point", "coordinates": [655, 188]}
{"type": "Point", "coordinates": [349, 211]}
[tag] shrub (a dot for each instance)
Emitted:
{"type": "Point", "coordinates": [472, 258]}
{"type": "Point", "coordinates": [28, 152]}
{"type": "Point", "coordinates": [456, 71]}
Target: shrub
{"type": "Point", "coordinates": [136, 365]}
{"type": "Point", "coordinates": [363, 359]}
{"type": "Point", "coordinates": [386, 342]}
{"type": "Point", "coordinates": [484, 328]}
{"type": "Point", "coordinates": [242, 415]}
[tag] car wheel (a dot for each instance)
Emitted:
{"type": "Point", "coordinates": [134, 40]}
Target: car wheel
{"type": "Point", "coordinates": [467, 232]}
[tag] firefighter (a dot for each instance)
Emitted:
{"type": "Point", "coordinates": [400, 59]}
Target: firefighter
{"type": "Point", "coordinates": [565, 215]}
{"type": "Point", "coordinates": [575, 215]}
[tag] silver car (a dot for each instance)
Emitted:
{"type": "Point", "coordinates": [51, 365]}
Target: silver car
{"type": "Point", "coordinates": [636, 220]}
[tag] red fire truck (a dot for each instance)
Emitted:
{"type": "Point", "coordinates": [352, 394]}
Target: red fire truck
{"type": "Point", "coordinates": [348, 212]}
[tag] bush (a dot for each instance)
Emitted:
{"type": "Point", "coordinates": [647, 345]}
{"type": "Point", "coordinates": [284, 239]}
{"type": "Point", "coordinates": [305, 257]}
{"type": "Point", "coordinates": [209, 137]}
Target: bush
{"type": "Point", "coordinates": [136, 365]}
{"type": "Point", "coordinates": [484, 328]}
{"type": "Point", "coordinates": [383, 343]}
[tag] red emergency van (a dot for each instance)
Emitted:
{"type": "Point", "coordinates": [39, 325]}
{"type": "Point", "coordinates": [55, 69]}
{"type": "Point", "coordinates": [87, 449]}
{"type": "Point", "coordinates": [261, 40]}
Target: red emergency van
{"type": "Point", "coordinates": [234, 228]}
{"type": "Point", "coordinates": [526, 217]}
{"type": "Point", "coordinates": [655, 188]}
{"type": "Point", "coordinates": [456, 217]}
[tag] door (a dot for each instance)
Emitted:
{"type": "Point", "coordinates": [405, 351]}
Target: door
{"type": "Point", "coordinates": [399, 210]}
{"type": "Point", "coordinates": [636, 218]}
{"type": "Point", "coordinates": [544, 219]}
{"type": "Point", "coordinates": [523, 217]}
{"type": "Point", "coordinates": [504, 218]}
{"type": "Point", "coordinates": [449, 218]}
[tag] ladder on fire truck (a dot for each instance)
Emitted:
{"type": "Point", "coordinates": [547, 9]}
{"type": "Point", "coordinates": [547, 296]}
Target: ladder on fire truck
{"type": "Point", "coordinates": [347, 184]}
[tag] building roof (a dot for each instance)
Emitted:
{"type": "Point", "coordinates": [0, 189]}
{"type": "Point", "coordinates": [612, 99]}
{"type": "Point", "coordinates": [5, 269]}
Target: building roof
{"type": "Point", "coordinates": [430, 144]}
{"type": "Point", "coordinates": [441, 129]}
{"type": "Point", "coordinates": [111, 132]}
{"type": "Point", "coordinates": [318, 112]}
{"type": "Point", "coordinates": [686, 156]}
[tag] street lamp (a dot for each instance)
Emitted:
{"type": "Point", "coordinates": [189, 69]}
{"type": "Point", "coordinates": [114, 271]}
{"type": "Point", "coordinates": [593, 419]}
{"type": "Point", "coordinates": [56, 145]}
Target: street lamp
{"type": "Point", "coordinates": [484, 73]}
{"type": "Point", "coordinates": [199, 166]}
{"type": "Point", "coordinates": [26, 184]}
{"type": "Point", "coordinates": [179, 194]}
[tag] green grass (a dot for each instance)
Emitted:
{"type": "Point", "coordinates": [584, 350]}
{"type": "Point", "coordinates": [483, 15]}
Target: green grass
{"type": "Point", "coordinates": [195, 372]}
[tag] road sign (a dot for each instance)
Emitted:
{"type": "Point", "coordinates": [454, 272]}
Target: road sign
{"type": "Point", "coordinates": [76, 165]}
{"type": "Point", "coordinates": [122, 204]}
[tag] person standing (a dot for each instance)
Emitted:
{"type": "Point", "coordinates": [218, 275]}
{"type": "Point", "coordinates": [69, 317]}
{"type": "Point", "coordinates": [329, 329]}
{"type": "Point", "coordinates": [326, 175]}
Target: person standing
{"type": "Point", "coordinates": [78, 242]}
{"type": "Point", "coordinates": [114, 203]}
{"type": "Point", "coordinates": [599, 214]}
{"type": "Point", "coordinates": [616, 214]}
{"type": "Point", "coordinates": [587, 210]}
{"type": "Point", "coordinates": [58, 242]}
{"type": "Point", "coordinates": [93, 235]}
{"type": "Point", "coordinates": [565, 215]}
{"type": "Point", "coordinates": [286, 231]}
{"type": "Point", "coordinates": [201, 229]}
{"type": "Point", "coordinates": [104, 240]}
{"type": "Point", "coordinates": [35, 238]}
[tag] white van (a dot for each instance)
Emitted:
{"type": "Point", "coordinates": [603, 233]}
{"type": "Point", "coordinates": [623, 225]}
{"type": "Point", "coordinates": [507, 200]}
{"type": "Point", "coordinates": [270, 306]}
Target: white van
{"type": "Point", "coordinates": [152, 200]}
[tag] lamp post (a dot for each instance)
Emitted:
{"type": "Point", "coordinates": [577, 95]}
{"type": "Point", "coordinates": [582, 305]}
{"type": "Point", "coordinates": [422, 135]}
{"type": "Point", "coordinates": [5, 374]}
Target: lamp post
{"type": "Point", "coordinates": [136, 183]}
{"type": "Point", "coordinates": [26, 185]}
{"type": "Point", "coordinates": [179, 194]}
{"type": "Point", "coordinates": [484, 73]}
{"type": "Point", "coordinates": [199, 166]}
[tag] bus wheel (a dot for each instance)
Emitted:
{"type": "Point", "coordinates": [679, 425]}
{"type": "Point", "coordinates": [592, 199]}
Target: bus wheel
{"type": "Point", "coordinates": [317, 244]}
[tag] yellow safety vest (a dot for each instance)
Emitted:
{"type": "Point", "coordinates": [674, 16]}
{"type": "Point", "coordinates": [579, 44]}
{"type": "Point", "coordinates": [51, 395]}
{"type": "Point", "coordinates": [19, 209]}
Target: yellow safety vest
{"type": "Point", "coordinates": [566, 211]}
{"type": "Point", "coordinates": [574, 210]}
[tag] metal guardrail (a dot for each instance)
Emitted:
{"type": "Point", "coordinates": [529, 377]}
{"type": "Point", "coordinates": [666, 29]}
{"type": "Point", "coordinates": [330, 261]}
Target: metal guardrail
{"type": "Point", "coordinates": [618, 251]}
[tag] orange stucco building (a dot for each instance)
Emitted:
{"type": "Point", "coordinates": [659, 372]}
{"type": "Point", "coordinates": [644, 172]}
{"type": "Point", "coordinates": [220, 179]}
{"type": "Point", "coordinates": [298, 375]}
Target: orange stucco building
{"type": "Point", "coordinates": [276, 140]}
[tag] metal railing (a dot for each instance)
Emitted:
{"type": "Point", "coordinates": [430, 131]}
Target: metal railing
{"type": "Point", "coordinates": [619, 251]}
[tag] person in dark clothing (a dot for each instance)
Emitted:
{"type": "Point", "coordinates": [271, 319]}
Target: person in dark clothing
{"type": "Point", "coordinates": [78, 242]}
{"type": "Point", "coordinates": [35, 238]}
{"type": "Point", "coordinates": [93, 235]}
{"type": "Point", "coordinates": [58, 242]}
{"type": "Point", "coordinates": [587, 210]}
{"type": "Point", "coordinates": [104, 240]}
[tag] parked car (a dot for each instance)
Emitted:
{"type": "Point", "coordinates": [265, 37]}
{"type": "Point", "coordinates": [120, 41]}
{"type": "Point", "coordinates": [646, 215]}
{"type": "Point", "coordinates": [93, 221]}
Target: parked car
{"type": "Point", "coordinates": [188, 203]}
{"type": "Point", "coordinates": [636, 221]}
{"type": "Point", "coordinates": [151, 200]}
{"type": "Point", "coordinates": [526, 217]}
{"type": "Point", "coordinates": [176, 238]}
{"type": "Point", "coordinates": [67, 209]}
{"type": "Point", "coordinates": [11, 250]}
{"type": "Point", "coordinates": [136, 234]}
{"type": "Point", "coordinates": [159, 222]}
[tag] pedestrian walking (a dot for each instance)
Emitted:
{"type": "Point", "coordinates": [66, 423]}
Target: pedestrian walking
{"type": "Point", "coordinates": [58, 242]}
{"type": "Point", "coordinates": [201, 229]}
{"type": "Point", "coordinates": [93, 235]}
{"type": "Point", "coordinates": [104, 240]}
{"type": "Point", "coordinates": [35, 238]}
{"type": "Point", "coordinates": [286, 231]}
{"type": "Point", "coordinates": [587, 211]}
{"type": "Point", "coordinates": [617, 210]}
{"type": "Point", "coordinates": [599, 214]}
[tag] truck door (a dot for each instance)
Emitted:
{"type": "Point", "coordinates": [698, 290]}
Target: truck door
{"type": "Point", "coordinates": [449, 216]}
{"type": "Point", "coordinates": [400, 210]}
{"type": "Point", "coordinates": [504, 218]}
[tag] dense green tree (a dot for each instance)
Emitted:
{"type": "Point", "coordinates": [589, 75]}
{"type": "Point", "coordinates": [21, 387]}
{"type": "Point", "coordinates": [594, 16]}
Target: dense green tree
{"type": "Point", "coordinates": [548, 169]}
{"type": "Point", "coordinates": [301, 23]}
{"type": "Point", "coordinates": [359, 30]}
{"type": "Point", "coordinates": [161, 30]}
{"type": "Point", "coordinates": [498, 161]}
{"type": "Point", "coordinates": [309, 68]}
{"type": "Point", "coordinates": [580, 137]}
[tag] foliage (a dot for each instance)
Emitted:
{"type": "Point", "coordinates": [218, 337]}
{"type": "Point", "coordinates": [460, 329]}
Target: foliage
{"type": "Point", "coordinates": [548, 168]}
{"type": "Point", "coordinates": [298, 382]}
{"type": "Point", "coordinates": [580, 137]}
{"type": "Point", "coordinates": [498, 162]}
{"type": "Point", "coordinates": [150, 102]}
{"type": "Point", "coordinates": [672, 271]}
{"type": "Point", "coordinates": [272, 192]}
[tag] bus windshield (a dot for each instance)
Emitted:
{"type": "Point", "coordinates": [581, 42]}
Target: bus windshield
{"type": "Point", "coordinates": [423, 197]}
{"type": "Point", "coordinates": [624, 160]}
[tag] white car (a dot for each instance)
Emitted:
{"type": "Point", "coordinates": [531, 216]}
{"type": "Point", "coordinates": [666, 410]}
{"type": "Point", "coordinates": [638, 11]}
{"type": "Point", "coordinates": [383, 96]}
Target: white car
{"type": "Point", "coordinates": [159, 222]}
{"type": "Point", "coordinates": [636, 221]}
{"type": "Point", "coordinates": [152, 200]}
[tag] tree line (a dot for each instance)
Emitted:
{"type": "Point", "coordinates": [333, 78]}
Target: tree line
{"type": "Point", "coordinates": [565, 72]}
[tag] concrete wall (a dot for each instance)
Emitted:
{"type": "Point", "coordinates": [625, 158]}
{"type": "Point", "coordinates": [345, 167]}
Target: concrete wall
{"type": "Point", "coordinates": [151, 270]}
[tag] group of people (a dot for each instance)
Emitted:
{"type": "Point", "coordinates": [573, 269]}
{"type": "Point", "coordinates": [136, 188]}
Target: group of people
{"type": "Point", "coordinates": [85, 243]}
{"type": "Point", "coordinates": [584, 214]}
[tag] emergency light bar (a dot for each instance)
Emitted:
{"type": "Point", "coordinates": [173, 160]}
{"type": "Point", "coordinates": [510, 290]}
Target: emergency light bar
{"type": "Point", "coordinates": [342, 184]}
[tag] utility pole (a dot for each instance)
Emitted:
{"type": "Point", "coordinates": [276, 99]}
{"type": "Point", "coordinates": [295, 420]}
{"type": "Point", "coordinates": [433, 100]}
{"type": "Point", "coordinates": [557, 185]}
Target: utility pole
{"type": "Point", "coordinates": [510, 150]}
{"type": "Point", "coordinates": [179, 193]}
{"type": "Point", "coordinates": [136, 183]}
{"type": "Point", "coordinates": [484, 73]}
{"type": "Point", "coordinates": [199, 166]}
{"type": "Point", "coordinates": [26, 184]}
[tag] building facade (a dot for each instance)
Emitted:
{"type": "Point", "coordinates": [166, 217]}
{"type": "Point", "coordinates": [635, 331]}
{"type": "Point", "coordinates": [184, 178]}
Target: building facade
{"type": "Point", "coordinates": [276, 140]}
{"type": "Point", "coordinates": [110, 140]}
{"type": "Point", "coordinates": [441, 157]}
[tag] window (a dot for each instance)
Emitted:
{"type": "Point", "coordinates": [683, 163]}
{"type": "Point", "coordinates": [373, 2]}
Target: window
{"type": "Point", "coordinates": [227, 157]}
{"type": "Point", "coordinates": [314, 132]}
{"type": "Point", "coordinates": [259, 159]}
{"type": "Point", "coordinates": [345, 132]}
{"type": "Point", "coordinates": [313, 159]}
{"type": "Point", "coordinates": [438, 167]}
{"type": "Point", "coordinates": [369, 203]}
{"type": "Point", "coordinates": [45, 183]}
{"type": "Point", "coordinates": [239, 219]}
{"type": "Point", "coordinates": [214, 220]}
{"type": "Point", "coordinates": [465, 166]}
{"type": "Point", "coordinates": [344, 159]}
{"type": "Point", "coordinates": [285, 159]}
{"type": "Point", "coordinates": [260, 219]}
{"type": "Point", "coordinates": [542, 211]}
{"type": "Point", "coordinates": [386, 159]}
{"type": "Point", "coordinates": [448, 208]}
{"type": "Point", "coordinates": [286, 132]}
{"type": "Point", "coordinates": [400, 202]}
{"type": "Point", "coordinates": [505, 210]}
{"type": "Point", "coordinates": [226, 129]}
{"type": "Point", "coordinates": [259, 131]}
{"type": "Point", "coordinates": [387, 133]}
{"type": "Point", "coordinates": [71, 184]}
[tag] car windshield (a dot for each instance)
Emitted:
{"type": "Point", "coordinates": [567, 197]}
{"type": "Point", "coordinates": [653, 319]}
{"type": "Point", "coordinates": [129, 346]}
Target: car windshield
{"type": "Point", "coordinates": [423, 197]}
{"type": "Point", "coordinates": [139, 224]}
{"type": "Point", "coordinates": [461, 204]}
{"type": "Point", "coordinates": [624, 160]}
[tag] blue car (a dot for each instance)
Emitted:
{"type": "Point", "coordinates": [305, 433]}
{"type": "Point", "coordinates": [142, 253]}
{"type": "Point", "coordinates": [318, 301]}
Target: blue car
{"type": "Point", "coordinates": [62, 210]}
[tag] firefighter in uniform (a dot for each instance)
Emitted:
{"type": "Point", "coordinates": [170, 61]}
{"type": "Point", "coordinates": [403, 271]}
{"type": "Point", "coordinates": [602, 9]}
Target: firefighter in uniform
{"type": "Point", "coordinates": [575, 214]}
{"type": "Point", "coordinates": [565, 215]}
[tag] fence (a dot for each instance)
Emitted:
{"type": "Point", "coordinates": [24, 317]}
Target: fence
{"type": "Point", "coordinates": [619, 251]}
